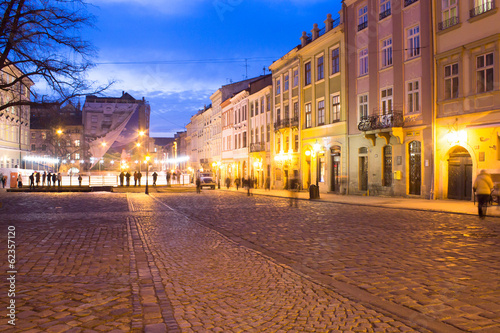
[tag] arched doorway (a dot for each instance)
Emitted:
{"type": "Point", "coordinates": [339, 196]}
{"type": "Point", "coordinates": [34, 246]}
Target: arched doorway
{"type": "Point", "coordinates": [415, 152]}
{"type": "Point", "coordinates": [460, 174]}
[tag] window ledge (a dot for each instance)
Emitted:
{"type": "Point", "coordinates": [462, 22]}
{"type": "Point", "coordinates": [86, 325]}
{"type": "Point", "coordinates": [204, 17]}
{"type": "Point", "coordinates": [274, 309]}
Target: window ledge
{"type": "Point", "coordinates": [334, 75]}
{"type": "Point", "coordinates": [453, 27]}
{"type": "Point", "coordinates": [320, 81]}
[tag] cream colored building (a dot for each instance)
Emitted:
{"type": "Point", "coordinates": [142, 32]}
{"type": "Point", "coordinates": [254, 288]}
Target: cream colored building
{"type": "Point", "coordinates": [322, 103]}
{"type": "Point", "coordinates": [467, 90]}
{"type": "Point", "coordinates": [14, 120]}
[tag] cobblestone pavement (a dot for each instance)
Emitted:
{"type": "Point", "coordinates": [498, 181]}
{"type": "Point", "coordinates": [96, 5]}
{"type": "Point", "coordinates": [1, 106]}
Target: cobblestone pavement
{"type": "Point", "coordinates": [224, 262]}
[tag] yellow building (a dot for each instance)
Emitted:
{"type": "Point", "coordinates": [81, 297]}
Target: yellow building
{"type": "Point", "coordinates": [322, 108]}
{"type": "Point", "coordinates": [467, 90]}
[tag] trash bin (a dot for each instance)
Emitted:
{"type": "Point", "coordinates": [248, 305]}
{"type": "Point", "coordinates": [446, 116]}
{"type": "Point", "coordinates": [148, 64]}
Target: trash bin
{"type": "Point", "coordinates": [313, 192]}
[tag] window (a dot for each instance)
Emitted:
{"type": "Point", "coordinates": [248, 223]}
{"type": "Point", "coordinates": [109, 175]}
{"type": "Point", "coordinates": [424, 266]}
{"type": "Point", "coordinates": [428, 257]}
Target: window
{"type": "Point", "coordinates": [387, 52]}
{"type": "Point", "coordinates": [94, 119]}
{"type": "Point", "coordinates": [481, 6]}
{"type": "Point", "coordinates": [287, 144]}
{"type": "Point", "coordinates": [33, 135]}
{"type": "Point", "coordinates": [77, 156]}
{"type": "Point", "coordinates": [296, 144]}
{"type": "Point", "coordinates": [308, 115]}
{"type": "Point", "coordinates": [44, 136]}
{"type": "Point", "coordinates": [296, 110]}
{"type": "Point", "coordinates": [285, 83]}
{"type": "Point", "coordinates": [278, 115]}
{"type": "Point", "coordinates": [386, 101]}
{"type": "Point", "coordinates": [268, 103]}
{"type": "Point", "coordinates": [33, 147]}
{"type": "Point", "coordinates": [251, 137]}
{"type": "Point", "coordinates": [362, 18]}
{"type": "Point", "coordinates": [363, 106]}
{"type": "Point", "coordinates": [449, 14]}
{"type": "Point", "coordinates": [335, 61]}
{"type": "Point", "coordinates": [363, 62]}
{"type": "Point", "coordinates": [44, 147]}
{"type": "Point", "coordinates": [251, 109]}
{"type": "Point", "coordinates": [321, 112]}
{"type": "Point", "coordinates": [335, 108]}
{"type": "Point", "coordinates": [385, 9]}
{"type": "Point", "coordinates": [236, 141]}
{"type": "Point", "coordinates": [413, 97]}
{"type": "Point", "coordinates": [451, 81]}
{"type": "Point", "coordinates": [295, 77]}
{"type": "Point", "coordinates": [262, 105]}
{"type": "Point", "coordinates": [262, 139]}
{"type": "Point", "coordinates": [320, 69]}
{"type": "Point", "coordinates": [278, 144]}
{"type": "Point", "coordinates": [413, 37]}
{"type": "Point", "coordinates": [307, 76]}
{"type": "Point", "coordinates": [484, 72]}
{"type": "Point", "coordinates": [287, 112]}
{"type": "Point", "coordinates": [268, 133]}
{"type": "Point", "coordinates": [278, 87]}
{"type": "Point", "coordinates": [387, 180]}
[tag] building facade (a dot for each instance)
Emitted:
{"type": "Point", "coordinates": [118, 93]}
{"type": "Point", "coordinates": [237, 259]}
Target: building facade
{"type": "Point", "coordinates": [467, 94]}
{"type": "Point", "coordinates": [389, 52]}
{"type": "Point", "coordinates": [14, 120]}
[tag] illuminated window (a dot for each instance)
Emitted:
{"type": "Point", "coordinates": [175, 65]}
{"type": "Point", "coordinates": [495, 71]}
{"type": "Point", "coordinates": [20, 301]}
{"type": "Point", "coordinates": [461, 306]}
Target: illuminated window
{"type": "Point", "coordinates": [308, 115]}
{"type": "Point", "coordinates": [307, 73]}
{"type": "Point", "coordinates": [335, 61]}
{"type": "Point", "coordinates": [451, 81]}
{"type": "Point", "coordinates": [484, 72]}
{"type": "Point", "coordinates": [320, 69]}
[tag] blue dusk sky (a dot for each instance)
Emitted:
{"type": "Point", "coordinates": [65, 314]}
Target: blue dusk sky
{"type": "Point", "coordinates": [177, 53]}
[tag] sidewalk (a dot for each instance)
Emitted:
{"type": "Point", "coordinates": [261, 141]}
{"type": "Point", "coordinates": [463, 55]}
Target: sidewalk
{"type": "Point", "coordinates": [448, 206]}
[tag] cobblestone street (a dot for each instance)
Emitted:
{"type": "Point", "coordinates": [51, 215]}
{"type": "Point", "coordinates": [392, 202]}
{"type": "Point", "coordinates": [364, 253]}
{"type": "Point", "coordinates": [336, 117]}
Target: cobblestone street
{"type": "Point", "coordinates": [226, 262]}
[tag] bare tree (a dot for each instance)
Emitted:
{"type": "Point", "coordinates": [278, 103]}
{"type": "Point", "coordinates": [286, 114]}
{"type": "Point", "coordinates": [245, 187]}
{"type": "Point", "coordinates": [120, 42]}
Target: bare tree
{"type": "Point", "coordinates": [41, 40]}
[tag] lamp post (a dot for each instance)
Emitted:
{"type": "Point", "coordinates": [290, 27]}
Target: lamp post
{"type": "Point", "coordinates": [317, 148]}
{"type": "Point", "coordinates": [147, 173]}
{"type": "Point", "coordinates": [59, 133]}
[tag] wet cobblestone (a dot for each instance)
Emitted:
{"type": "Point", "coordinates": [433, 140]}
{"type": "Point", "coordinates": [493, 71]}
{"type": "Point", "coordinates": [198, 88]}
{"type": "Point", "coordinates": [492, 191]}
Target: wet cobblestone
{"type": "Point", "coordinates": [224, 262]}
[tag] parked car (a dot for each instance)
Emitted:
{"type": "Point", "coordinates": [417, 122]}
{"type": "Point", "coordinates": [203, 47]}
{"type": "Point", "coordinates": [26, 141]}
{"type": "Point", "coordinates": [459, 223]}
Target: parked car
{"type": "Point", "coordinates": [206, 180]}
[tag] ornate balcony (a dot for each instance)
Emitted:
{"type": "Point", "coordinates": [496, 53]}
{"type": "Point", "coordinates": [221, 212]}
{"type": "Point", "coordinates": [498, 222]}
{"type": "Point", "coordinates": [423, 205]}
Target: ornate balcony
{"type": "Point", "coordinates": [409, 2]}
{"type": "Point", "coordinates": [363, 25]}
{"type": "Point", "coordinates": [286, 123]}
{"type": "Point", "coordinates": [384, 14]}
{"type": "Point", "coordinates": [448, 23]}
{"type": "Point", "coordinates": [257, 147]}
{"type": "Point", "coordinates": [381, 121]}
{"type": "Point", "coordinates": [485, 7]}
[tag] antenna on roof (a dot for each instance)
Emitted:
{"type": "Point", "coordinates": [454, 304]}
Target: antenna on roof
{"type": "Point", "coordinates": [264, 68]}
{"type": "Point", "coordinates": [246, 68]}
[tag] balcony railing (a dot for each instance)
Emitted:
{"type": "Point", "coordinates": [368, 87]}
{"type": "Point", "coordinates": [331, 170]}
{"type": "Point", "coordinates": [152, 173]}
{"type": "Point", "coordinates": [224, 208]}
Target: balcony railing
{"type": "Point", "coordinates": [286, 123]}
{"type": "Point", "coordinates": [485, 7]}
{"type": "Point", "coordinates": [381, 121]}
{"type": "Point", "coordinates": [409, 2]}
{"type": "Point", "coordinates": [257, 146]}
{"type": "Point", "coordinates": [384, 14]}
{"type": "Point", "coordinates": [362, 25]}
{"type": "Point", "coordinates": [448, 23]}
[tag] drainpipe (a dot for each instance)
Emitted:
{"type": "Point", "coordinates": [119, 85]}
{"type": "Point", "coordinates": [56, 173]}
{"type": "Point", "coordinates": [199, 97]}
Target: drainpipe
{"type": "Point", "coordinates": [434, 103]}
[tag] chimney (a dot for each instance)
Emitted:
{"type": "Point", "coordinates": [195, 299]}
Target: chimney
{"type": "Point", "coordinates": [315, 31]}
{"type": "Point", "coordinates": [303, 39]}
{"type": "Point", "coordinates": [328, 23]}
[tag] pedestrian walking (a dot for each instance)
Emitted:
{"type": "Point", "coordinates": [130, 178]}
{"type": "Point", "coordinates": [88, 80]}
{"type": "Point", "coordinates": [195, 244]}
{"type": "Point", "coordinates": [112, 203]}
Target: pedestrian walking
{"type": "Point", "coordinates": [37, 179]}
{"type": "Point", "coordinates": [127, 177]}
{"type": "Point", "coordinates": [80, 180]}
{"type": "Point", "coordinates": [59, 179]}
{"type": "Point", "coordinates": [54, 178]}
{"type": "Point", "coordinates": [4, 180]}
{"type": "Point", "coordinates": [483, 186]}
{"type": "Point", "coordinates": [168, 178]}
{"type": "Point", "coordinates": [49, 179]}
{"type": "Point", "coordinates": [155, 177]}
{"type": "Point", "coordinates": [44, 177]}
{"type": "Point", "coordinates": [1, 180]}
{"type": "Point", "coordinates": [228, 182]}
{"type": "Point", "coordinates": [19, 180]}
{"type": "Point", "coordinates": [122, 177]}
{"type": "Point", "coordinates": [139, 176]}
{"type": "Point", "coordinates": [268, 183]}
{"type": "Point", "coordinates": [237, 183]}
{"type": "Point", "coordinates": [198, 185]}
{"type": "Point", "coordinates": [135, 178]}
{"type": "Point", "coordinates": [32, 181]}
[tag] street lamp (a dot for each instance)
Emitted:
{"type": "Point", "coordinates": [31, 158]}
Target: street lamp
{"type": "Point", "coordinates": [147, 173]}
